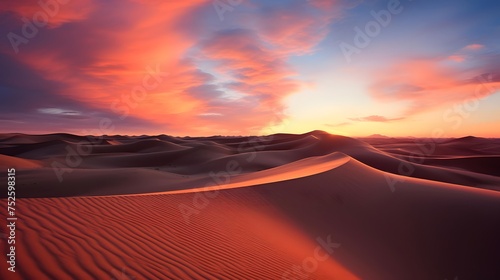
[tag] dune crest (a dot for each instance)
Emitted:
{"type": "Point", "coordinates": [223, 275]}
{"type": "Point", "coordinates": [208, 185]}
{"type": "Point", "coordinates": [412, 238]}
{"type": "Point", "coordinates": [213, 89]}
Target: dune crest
{"type": "Point", "coordinates": [309, 206]}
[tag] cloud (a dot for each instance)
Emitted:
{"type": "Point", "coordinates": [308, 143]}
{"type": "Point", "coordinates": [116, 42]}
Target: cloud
{"type": "Point", "coordinates": [251, 63]}
{"type": "Point", "coordinates": [55, 13]}
{"type": "Point", "coordinates": [337, 124]}
{"type": "Point", "coordinates": [457, 58]}
{"type": "Point", "coordinates": [428, 84]}
{"type": "Point", "coordinates": [98, 60]}
{"type": "Point", "coordinates": [94, 59]}
{"type": "Point", "coordinates": [464, 53]}
{"type": "Point", "coordinates": [473, 47]}
{"type": "Point", "coordinates": [58, 111]}
{"type": "Point", "coordinates": [210, 114]}
{"type": "Point", "coordinates": [254, 71]}
{"type": "Point", "coordinates": [375, 118]}
{"type": "Point", "coordinates": [296, 29]}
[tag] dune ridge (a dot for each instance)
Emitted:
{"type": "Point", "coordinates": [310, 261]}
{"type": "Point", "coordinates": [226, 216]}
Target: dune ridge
{"type": "Point", "coordinates": [161, 207]}
{"type": "Point", "coordinates": [188, 161]}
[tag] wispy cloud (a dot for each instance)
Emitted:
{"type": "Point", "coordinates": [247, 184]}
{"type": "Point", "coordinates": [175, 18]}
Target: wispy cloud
{"type": "Point", "coordinates": [457, 58]}
{"type": "Point", "coordinates": [337, 124]}
{"type": "Point", "coordinates": [427, 84]}
{"type": "Point", "coordinates": [473, 47]}
{"type": "Point", "coordinates": [375, 118]}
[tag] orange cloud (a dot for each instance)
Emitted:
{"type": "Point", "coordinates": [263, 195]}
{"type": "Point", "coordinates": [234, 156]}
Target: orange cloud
{"type": "Point", "coordinates": [293, 30]}
{"type": "Point", "coordinates": [54, 12]}
{"type": "Point", "coordinates": [462, 54]}
{"type": "Point", "coordinates": [232, 81]}
{"type": "Point", "coordinates": [375, 118]}
{"type": "Point", "coordinates": [254, 70]}
{"type": "Point", "coordinates": [253, 59]}
{"type": "Point", "coordinates": [104, 61]}
{"type": "Point", "coordinates": [457, 58]}
{"type": "Point", "coordinates": [427, 84]}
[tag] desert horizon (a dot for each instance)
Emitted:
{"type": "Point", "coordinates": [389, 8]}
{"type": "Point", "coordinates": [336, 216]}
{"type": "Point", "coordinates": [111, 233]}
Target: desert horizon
{"type": "Point", "coordinates": [376, 135]}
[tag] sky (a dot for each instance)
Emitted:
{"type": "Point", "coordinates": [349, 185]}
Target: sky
{"type": "Point", "coordinates": [247, 67]}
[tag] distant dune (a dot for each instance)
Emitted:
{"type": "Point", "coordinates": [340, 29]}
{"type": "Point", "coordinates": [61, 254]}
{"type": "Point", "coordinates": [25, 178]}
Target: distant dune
{"type": "Point", "coordinates": [284, 206]}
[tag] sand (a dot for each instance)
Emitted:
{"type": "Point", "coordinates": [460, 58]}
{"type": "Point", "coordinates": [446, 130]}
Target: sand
{"type": "Point", "coordinates": [285, 206]}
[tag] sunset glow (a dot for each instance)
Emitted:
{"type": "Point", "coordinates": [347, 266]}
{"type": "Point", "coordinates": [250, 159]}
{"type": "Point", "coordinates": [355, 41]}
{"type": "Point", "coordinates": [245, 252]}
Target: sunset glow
{"type": "Point", "coordinates": [204, 68]}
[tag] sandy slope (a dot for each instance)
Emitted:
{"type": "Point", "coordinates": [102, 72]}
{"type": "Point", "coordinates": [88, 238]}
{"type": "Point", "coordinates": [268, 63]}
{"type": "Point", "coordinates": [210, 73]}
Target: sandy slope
{"type": "Point", "coordinates": [252, 208]}
{"type": "Point", "coordinates": [187, 162]}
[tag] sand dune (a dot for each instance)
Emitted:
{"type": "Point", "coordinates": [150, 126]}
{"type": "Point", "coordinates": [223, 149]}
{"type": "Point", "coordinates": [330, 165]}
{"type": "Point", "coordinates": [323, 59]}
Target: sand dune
{"type": "Point", "coordinates": [195, 158]}
{"type": "Point", "coordinates": [310, 206]}
{"type": "Point", "coordinates": [9, 162]}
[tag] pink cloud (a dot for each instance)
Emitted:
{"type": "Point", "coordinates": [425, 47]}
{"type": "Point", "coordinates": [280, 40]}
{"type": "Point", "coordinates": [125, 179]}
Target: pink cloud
{"type": "Point", "coordinates": [457, 58]}
{"type": "Point", "coordinates": [54, 12]}
{"type": "Point", "coordinates": [254, 63]}
{"type": "Point", "coordinates": [258, 78]}
{"type": "Point", "coordinates": [293, 31]}
{"type": "Point", "coordinates": [428, 84]}
{"type": "Point", "coordinates": [375, 118]}
{"type": "Point", "coordinates": [473, 47]}
{"type": "Point", "coordinates": [299, 28]}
